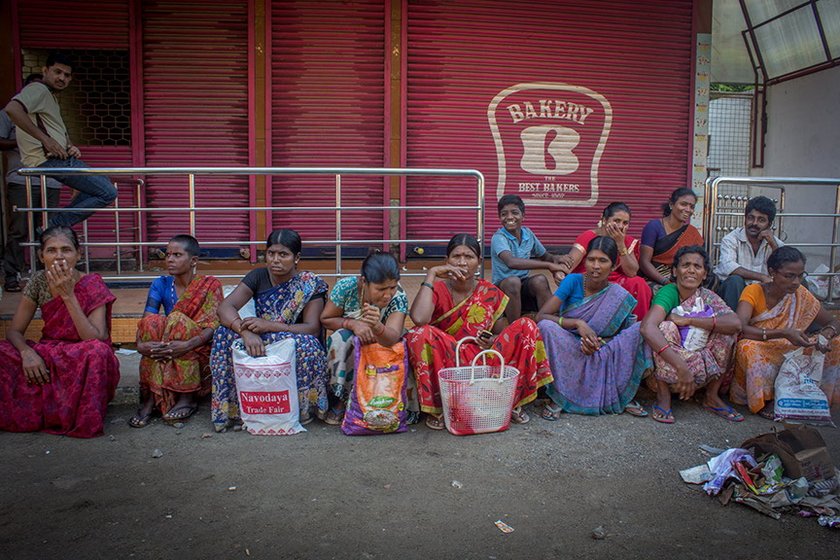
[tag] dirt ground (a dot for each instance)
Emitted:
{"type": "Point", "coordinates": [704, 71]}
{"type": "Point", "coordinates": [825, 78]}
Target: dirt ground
{"type": "Point", "coordinates": [324, 495]}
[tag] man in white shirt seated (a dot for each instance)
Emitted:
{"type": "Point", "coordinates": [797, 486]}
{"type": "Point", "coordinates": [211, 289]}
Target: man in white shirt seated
{"type": "Point", "coordinates": [744, 250]}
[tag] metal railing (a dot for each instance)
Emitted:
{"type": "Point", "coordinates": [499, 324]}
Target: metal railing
{"type": "Point", "coordinates": [724, 211]}
{"type": "Point", "coordinates": [191, 173]}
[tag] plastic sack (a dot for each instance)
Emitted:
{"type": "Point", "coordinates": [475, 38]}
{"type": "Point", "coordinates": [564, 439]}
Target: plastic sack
{"type": "Point", "coordinates": [798, 395]}
{"type": "Point", "coordinates": [694, 338]}
{"type": "Point", "coordinates": [267, 387]}
{"type": "Point", "coordinates": [377, 399]}
{"type": "Point", "coordinates": [722, 468]}
{"type": "Point", "coordinates": [247, 310]}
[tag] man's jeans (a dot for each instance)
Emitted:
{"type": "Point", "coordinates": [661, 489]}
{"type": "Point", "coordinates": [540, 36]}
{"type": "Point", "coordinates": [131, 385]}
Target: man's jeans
{"type": "Point", "coordinates": [94, 191]}
{"type": "Point", "coordinates": [730, 290]}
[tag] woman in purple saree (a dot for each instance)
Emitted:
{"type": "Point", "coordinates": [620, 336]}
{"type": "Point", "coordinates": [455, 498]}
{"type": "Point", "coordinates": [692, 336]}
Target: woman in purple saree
{"type": "Point", "coordinates": [594, 346]}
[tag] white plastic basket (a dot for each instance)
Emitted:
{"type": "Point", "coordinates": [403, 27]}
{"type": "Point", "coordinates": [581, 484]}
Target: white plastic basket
{"type": "Point", "coordinates": [477, 399]}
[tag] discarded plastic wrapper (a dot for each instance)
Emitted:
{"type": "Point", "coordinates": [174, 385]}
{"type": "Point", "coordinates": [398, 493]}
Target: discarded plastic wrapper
{"type": "Point", "coordinates": [696, 475]}
{"type": "Point", "coordinates": [772, 469]}
{"type": "Point", "coordinates": [504, 527]}
{"type": "Point", "coordinates": [831, 521]}
{"type": "Point", "coordinates": [798, 489]}
{"type": "Point", "coordinates": [721, 468]}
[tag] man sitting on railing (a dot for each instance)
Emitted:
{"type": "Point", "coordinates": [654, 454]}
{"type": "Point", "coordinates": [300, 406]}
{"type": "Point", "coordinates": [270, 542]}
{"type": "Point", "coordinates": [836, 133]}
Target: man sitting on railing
{"type": "Point", "coordinates": [744, 251]}
{"type": "Point", "coordinates": [43, 140]}
{"type": "Point", "coordinates": [13, 257]}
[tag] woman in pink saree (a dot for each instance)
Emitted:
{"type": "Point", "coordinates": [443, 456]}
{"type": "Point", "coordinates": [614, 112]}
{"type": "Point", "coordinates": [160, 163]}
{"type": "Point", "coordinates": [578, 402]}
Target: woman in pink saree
{"type": "Point", "coordinates": [63, 383]}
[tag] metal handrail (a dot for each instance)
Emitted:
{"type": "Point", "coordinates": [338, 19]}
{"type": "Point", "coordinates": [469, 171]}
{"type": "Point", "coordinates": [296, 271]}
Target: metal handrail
{"type": "Point", "coordinates": [710, 212]}
{"type": "Point", "coordinates": [192, 172]}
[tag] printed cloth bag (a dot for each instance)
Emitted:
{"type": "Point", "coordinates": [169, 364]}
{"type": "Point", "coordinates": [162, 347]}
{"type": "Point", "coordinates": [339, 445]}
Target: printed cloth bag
{"type": "Point", "coordinates": [694, 338]}
{"type": "Point", "coordinates": [267, 388]}
{"type": "Point", "coordinates": [378, 397]}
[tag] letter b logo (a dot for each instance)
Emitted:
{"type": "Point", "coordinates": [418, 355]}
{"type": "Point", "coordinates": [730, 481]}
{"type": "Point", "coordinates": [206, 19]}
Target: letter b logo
{"type": "Point", "coordinates": [549, 150]}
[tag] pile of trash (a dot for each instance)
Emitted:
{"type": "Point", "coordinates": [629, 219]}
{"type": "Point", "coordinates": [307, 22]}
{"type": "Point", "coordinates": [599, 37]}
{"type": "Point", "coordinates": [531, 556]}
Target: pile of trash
{"type": "Point", "coordinates": [785, 471]}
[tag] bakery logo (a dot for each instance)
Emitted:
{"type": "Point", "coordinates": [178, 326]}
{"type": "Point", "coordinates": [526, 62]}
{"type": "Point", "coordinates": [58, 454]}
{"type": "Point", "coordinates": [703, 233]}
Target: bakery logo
{"type": "Point", "coordinates": [549, 141]}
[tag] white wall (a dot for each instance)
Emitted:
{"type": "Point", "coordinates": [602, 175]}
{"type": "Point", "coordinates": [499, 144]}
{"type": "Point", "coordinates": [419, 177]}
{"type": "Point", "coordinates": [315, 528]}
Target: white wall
{"type": "Point", "coordinates": [803, 140]}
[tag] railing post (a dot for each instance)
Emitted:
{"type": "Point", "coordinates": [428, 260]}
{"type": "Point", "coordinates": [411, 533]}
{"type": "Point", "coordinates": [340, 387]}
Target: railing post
{"type": "Point", "coordinates": [30, 221]}
{"type": "Point", "coordinates": [141, 257]}
{"type": "Point", "coordinates": [480, 222]}
{"type": "Point", "coordinates": [117, 227]}
{"type": "Point", "coordinates": [87, 247]}
{"type": "Point", "coordinates": [338, 224]}
{"type": "Point", "coordinates": [832, 254]}
{"type": "Point", "coordinates": [192, 203]}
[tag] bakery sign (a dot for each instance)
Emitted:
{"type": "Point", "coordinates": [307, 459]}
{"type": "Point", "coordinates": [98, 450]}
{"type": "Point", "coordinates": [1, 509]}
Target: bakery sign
{"type": "Point", "coordinates": [549, 140]}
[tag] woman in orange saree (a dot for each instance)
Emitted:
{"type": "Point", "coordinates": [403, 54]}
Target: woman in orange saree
{"type": "Point", "coordinates": [775, 317]}
{"type": "Point", "coordinates": [175, 346]}
{"type": "Point", "coordinates": [460, 305]}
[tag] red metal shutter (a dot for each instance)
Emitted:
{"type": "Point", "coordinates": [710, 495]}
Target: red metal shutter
{"type": "Point", "coordinates": [634, 55]}
{"type": "Point", "coordinates": [195, 73]}
{"type": "Point", "coordinates": [73, 24]}
{"type": "Point", "coordinates": [85, 28]}
{"type": "Point", "coordinates": [328, 109]}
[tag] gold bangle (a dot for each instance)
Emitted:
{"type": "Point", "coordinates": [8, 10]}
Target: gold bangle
{"type": "Point", "coordinates": [623, 253]}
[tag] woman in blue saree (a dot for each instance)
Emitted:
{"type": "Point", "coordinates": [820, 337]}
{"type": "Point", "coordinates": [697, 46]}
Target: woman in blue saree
{"type": "Point", "coordinates": [288, 303]}
{"type": "Point", "coordinates": [594, 345]}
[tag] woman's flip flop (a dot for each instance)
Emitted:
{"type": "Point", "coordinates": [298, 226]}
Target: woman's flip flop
{"type": "Point", "coordinates": [726, 412]}
{"type": "Point", "coordinates": [661, 415]}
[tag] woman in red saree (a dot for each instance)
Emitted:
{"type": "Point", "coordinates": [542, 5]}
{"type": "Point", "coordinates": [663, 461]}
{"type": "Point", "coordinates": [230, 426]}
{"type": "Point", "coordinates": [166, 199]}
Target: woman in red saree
{"type": "Point", "coordinates": [62, 384]}
{"type": "Point", "coordinates": [458, 306]}
{"type": "Point", "coordinates": [614, 224]}
{"type": "Point", "coordinates": [175, 346]}
{"type": "Point", "coordinates": [663, 237]}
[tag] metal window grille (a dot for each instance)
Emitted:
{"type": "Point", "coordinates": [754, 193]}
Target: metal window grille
{"type": "Point", "coordinates": [96, 106]}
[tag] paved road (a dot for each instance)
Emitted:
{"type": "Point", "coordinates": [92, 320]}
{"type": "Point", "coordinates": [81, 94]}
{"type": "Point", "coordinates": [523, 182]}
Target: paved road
{"type": "Point", "coordinates": [324, 495]}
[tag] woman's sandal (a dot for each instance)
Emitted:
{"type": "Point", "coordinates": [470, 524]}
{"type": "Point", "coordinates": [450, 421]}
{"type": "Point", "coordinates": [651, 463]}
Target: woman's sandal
{"type": "Point", "coordinates": [138, 421]}
{"type": "Point", "coordinates": [551, 412]}
{"type": "Point", "coordinates": [726, 412]}
{"type": "Point", "coordinates": [435, 422]}
{"type": "Point", "coordinates": [633, 408]}
{"type": "Point", "coordinates": [519, 416]}
{"type": "Point", "coordinates": [768, 412]}
{"type": "Point", "coordinates": [661, 415]}
{"type": "Point", "coordinates": [180, 414]}
{"type": "Point", "coordinates": [334, 416]}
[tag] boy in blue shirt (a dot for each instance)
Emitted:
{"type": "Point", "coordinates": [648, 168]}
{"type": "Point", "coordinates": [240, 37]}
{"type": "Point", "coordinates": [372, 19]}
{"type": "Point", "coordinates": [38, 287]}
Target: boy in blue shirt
{"type": "Point", "coordinates": [514, 252]}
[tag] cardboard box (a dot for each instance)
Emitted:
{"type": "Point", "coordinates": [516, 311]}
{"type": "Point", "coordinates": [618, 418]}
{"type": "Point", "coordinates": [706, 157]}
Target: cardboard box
{"type": "Point", "coordinates": [801, 448]}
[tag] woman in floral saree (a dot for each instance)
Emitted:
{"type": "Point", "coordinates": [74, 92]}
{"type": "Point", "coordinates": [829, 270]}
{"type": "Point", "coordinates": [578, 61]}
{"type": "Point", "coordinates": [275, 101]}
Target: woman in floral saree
{"type": "Point", "coordinates": [288, 303]}
{"type": "Point", "coordinates": [684, 370]}
{"type": "Point", "coordinates": [63, 383]}
{"type": "Point", "coordinates": [175, 346]}
{"type": "Point", "coordinates": [459, 305]}
{"type": "Point", "coordinates": [594, 346]}
{"type": "Point", "coordinates": [775, 317]}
